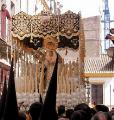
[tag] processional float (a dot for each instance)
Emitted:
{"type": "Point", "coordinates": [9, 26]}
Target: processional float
{"type": "Point", "coordinates": [35, 41]}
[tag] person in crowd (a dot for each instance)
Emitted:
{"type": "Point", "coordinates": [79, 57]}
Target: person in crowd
{"type": "Point", "coordinates": [61, 118]}
{"type": "Point", "coordinates": [101, 116]}
{"type": "Point", "coordinates": [4, 13]}
{"type": "Point", "coordinates": [61, 111]}
{"type": "Point", "coordinates": [22, 116]}
{"type": "Point", "coordinates": [93, 111]}
{"type": "Point", "coordinates": [79, 115]}
{"type": "Point", "coordinates": [84, 107]}
{"type": "Point", "coordinates": [35, 110]}
{"type": "Point", "coordinates": [101, 108]}
{"type": "Point", "coordinates": [112, 113]}
{"type": "Point", "coordinates": [69, 113]}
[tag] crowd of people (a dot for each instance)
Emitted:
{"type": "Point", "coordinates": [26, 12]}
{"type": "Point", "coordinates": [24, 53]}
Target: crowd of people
{"type": "Point", "coordinates": [80, 112]}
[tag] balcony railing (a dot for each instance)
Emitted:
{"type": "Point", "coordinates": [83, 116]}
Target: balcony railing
{"type": "Point", "coordinates": [6, 36]}
{"type": "Point", "coordinates": [5, 41]}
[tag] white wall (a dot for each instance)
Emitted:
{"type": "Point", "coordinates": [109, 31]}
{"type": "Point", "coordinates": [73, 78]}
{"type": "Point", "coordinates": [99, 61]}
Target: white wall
{"type": "Point", "coordinates": [108, 87]}
{"type": "Point", "coordinates": [108, 92]}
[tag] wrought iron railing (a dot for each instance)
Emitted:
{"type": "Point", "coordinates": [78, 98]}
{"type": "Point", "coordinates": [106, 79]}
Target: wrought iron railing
{"type": "Point", "coordinates": [6, 36]}
{"type": "Point", "coordinates": [5, 40]}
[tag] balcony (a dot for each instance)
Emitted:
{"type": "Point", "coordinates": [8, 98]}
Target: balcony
{"type": "Point", "coordinates": [5, 41]}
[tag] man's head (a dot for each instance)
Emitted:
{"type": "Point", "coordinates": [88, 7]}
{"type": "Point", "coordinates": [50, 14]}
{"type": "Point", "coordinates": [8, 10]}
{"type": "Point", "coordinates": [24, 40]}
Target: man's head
{"type": "Point", "coordinates": [61, 110]}
{"type": "Point", "coordinates": [3, 7]}
{"type": "Point", "coordinates": [35, 110]}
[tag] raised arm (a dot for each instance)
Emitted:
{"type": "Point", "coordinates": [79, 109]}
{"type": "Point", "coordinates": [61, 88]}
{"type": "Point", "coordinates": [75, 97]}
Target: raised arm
{"type": "Point", "coordinates": [8, 15]}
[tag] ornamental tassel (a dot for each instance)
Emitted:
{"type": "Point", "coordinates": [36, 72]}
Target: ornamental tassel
{"type": "Point", "coordinates": [32, 77]}
{"type": "Point", "coordinates": [36, 78]}
{"type": "Point", "coordinates": [22, 76]}
{"type": "Point", "coordinates": [27, 80]}
{"type": "Point", "coordinates": [62, 81]}
{"type": "Point", "coordinates": [58, 80]}
{"type": "Point", "coordinates": [41, 84]}
{"type": "Point", "coordinates": [65, 75]}
{"type": "Point", "coordinates": [24, 73]}
{"type": "Point", "coordinates": [71, 85]}
{"type": "Point", "coordinates": [14, 58]}
{"type": "Point", "coordinates": [58, 87]}
{"type": "Point", "coordinates": [62, 73]}
{"type": "Point", "coordinates": [18, 65]}
{"type": "Point", "coordinates": [67, 84]}
{"type": "Point", "coordinates": [19, 82]}
{"type": "Point", "coordinates": [31, 80]}
{"type": "Point", "coordinates": [64, 84]}
{"type": "Point", "coordinates": [11, 48]}
{"type": "Point", "coordinates": [19, 78]}
{"type": "Point", "coordinates": [29, 75]}
{"type": "Point", "coordinates": [60, 84]}
{"type": "Point", "coordinates": [68, 70]}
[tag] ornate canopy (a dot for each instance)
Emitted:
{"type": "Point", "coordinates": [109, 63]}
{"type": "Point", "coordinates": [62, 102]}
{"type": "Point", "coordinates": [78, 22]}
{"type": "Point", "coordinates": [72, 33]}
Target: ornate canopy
{"type": "Point", "coordinates": [24, 25]}
{"type": "Point", "coordinates": [34, 29]}
{"type": "Point", "coordinates": [35, 39]}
